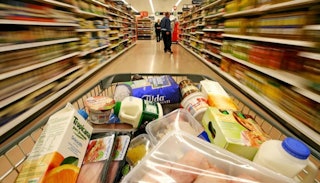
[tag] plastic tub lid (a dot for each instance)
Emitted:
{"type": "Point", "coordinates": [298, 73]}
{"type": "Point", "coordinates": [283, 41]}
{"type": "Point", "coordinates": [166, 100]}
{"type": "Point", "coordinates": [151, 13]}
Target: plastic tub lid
{"type": "Point", "coordinates": [296, 148]}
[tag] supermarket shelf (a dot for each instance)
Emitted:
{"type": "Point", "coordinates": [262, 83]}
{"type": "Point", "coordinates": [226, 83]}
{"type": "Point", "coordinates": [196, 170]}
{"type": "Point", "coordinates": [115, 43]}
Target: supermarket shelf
{"type": "Point", "coordinates": [213, 54]}
{"type": "Point", "coordinates": [273, 40]}
{"type": "Point", "coordinates": [213, 30]}
{"type": "Point", "coordinates": [199, 32]}
{"type": "Point", "coordinates": [285, 5]}
{"type": "Point", "coordinates": [35, 44]}
{"type": "Point", "coordinates": [9, 126]}
{"type": "Point", "coordinates": [88, 14]}
{"type": "Point", "coordinates": [211, 4]}
{"type": "Point", "coordinates": [32, 89]}
{"type": "Point", "coordinates": [290, 78]}
{"type": "Point", "coordinates": [100, 3]}
{"type": "Point", "coordinates": [312, 27]}
{"type": "Point", "coordinates": [90, 30]}
{"type": "Point", "coordinates": [214, 15]}
{"type": "Point", "coordinates": [115, 26]}
{"type": "Point", "coordinates": [201, 50]}
{"type": "Point", "coordinates": [113, 46]}
{"type": "Point", "coordinates": [36, 66]}
{"type": "Point", "coordinates": [315, 56]}
{"type": "Point", "coordinates": [305, 130]}
{"type": "Point", "coordinates": [125, 40]}
{"type": "Point", "coordinates": [201, 42]}
{"type": "Point", "coordinates": [22, 22]}
{"type": "Point", "coordinates": [57, 3]}
{"type": "Point", "coordinates": [113, 38]}
{"type": "Point", "coordinates": [92, 50]}
{"type": "Point", "coordinates": [113, 32]}
{"type": "Point", "coordinates": [307, 93]}
{"type": "Point", "coordinates": [213, 42]}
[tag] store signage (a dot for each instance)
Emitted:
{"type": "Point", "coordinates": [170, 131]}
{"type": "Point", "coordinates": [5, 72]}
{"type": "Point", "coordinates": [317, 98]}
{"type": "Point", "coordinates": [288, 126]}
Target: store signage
{"type": "Point", "coordinates": [196, 1]}
{"type": "Point", "coordinates": [143, 13]}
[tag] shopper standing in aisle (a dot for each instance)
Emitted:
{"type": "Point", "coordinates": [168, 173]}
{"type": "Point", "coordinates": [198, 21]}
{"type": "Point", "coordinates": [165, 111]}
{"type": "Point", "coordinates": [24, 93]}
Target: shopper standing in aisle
{"type": "Point", "coordinates": [166, 32]}
{"type": "Point", "coordinates": [157, 28]}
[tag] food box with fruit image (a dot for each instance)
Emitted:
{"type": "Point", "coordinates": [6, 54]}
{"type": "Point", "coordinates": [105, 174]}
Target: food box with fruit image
{"type": "Point", "coordinates": [60, 149]}
{"type": "Point", "coordinates": [234, 131]}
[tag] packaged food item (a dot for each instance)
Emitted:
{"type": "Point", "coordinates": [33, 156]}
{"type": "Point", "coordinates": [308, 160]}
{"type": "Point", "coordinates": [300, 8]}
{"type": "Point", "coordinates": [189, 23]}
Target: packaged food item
{"type": "Point", "coordinates": [234, 131]}
{"type": "Point", "coordinates": [98, 157]}
{"type": "Point", "coordinates": [216, 95]}
{"type": "Point", "coordinates": [134, 111]}
{"type": "Point", "coordinates": [196, 104]}
{"type": "Point", "coordinates": [180, 157]}
{"type": "Point", "coordinates": [162, 89]}
{"type": "Point", "coordinates": [122, 91]}
{"type": "Point", "coordinates": [120, 151]}
{"type": "Point", "coordinates": [138, 148]}
{"type": "Point", "coordinates": [187, 87]}
{"type": "Point", "coordinates": [288, 157]}
{"type": "Point", "coordinates": [177, 120]}
{"type": "Point", "coordinates": [99, 108]}
{"type": "Point", "coordinates": [60, 149]}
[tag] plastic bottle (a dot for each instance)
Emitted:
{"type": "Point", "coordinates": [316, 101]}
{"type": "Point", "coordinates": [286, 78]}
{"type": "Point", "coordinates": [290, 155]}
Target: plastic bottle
{"type": "Point", "coordinates": [288, 157]}
{"type": "Point", "coordinates": [133, 110]}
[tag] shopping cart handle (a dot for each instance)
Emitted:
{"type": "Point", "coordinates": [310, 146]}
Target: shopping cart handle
{"type": "Point", "coordinates": [106, 82]}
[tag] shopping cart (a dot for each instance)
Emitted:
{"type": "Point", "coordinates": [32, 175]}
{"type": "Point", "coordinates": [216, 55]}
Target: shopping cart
{"type": "Point", "coordinates": [15, 152]}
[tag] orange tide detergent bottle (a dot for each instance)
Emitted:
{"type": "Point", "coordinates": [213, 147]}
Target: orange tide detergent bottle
{"type": "Point", "coordinates": [134, 110]}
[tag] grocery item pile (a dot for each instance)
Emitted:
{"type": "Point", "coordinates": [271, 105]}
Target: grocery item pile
{"type": "Point", "coordinates": [158, 130]}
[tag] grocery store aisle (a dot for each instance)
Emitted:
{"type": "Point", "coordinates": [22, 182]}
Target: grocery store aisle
{"type": "Point", "coordinates": [148, 57]}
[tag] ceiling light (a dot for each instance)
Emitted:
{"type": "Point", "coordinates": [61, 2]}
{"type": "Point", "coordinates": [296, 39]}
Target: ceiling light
{"type": "Point", "coordinates": [151, 4]}
{"type": "Point", "coordinates": [178, 2]}
{"type": "Point", "coordinates": [134, 9]}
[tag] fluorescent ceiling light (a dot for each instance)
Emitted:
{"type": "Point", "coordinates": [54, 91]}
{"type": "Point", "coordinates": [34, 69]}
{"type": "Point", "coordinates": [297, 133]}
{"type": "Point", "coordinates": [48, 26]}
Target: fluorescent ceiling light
{"type": "Point", "coordinates": [151, 4]}
{"type": "Point", "coordinates": [134, 9]}
{"type": "Point", "coordinates": [178, 2]}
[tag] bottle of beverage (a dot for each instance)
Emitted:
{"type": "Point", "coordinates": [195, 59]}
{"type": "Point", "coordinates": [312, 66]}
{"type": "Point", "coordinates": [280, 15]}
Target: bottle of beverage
{"type": "Point", "coordinates": [288, 157]}
{"type": "Point", "coordinates": [134, 110]}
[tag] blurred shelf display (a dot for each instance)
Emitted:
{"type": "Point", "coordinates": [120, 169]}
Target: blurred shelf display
{"type": "Point", "coordinates": [145, 29]}
{"type": "Point", "coordinates": [274, 57]}
{"type": "Point", "coordinates": [50, 51]}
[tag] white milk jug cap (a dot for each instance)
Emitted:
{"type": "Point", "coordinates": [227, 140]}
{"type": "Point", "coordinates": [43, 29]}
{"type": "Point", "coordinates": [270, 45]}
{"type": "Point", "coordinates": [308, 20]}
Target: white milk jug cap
{"type": "Point", "coordinates": [296, 148]}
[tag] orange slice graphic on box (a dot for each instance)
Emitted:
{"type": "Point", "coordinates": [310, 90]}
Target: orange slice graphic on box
{"type": "Point", "coordinates": [66, 173]}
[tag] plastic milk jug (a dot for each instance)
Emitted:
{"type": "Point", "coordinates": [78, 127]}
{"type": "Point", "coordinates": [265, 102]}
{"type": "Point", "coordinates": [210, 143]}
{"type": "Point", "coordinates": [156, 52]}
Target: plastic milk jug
{"type": "Point", "coordinates": [288, 157]}
{"type": "Point", "coordinates": [134, 110]}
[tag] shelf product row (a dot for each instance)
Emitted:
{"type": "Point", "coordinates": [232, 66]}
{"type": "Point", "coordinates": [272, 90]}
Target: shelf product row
{"type": "Point", "coordinates": [269, 51]}
{"type": "Point", "coordinates": [46, 46]}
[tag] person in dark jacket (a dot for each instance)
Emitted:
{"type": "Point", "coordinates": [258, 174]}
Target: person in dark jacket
{"type": "Point", "coordinates": [157, 28]}
{"type": "Point", "coordinates": [166, 32]}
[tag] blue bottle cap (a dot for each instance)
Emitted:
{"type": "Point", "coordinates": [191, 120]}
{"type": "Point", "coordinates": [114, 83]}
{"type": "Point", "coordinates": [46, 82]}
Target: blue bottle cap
{"type": "Point", "coordinates": [83, 113]}
{"type": "Point", "coordinates": [204, 136]}
{"type": "Point", "coordinates": [295, 148]}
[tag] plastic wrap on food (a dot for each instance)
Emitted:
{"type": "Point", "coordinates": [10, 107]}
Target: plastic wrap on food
{"type": "Point", "coordinates": [114, 173]}
{"type": "Point", "coordinates": [180, 157]}
{"type": "Point", "coordinates": [97, 158]}
{"type": "Point", "coordinates": [139, 147]}
{"type": "Point", "coordinates": [177, 120]}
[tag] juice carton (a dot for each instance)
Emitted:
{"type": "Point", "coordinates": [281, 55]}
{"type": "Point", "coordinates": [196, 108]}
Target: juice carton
{"type": "Point", "coordinates": [234, 131]}
{"type": "Point", "coordinates": [216, 95]}
{"type": "Point", "coordinates": [58, 153]}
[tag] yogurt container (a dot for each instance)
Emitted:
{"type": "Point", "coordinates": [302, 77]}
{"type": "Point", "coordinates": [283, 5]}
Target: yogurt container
{"type": "Point", "coordinates": [196, 104]}
{"type": "Point", "coordinates": [99, 109]}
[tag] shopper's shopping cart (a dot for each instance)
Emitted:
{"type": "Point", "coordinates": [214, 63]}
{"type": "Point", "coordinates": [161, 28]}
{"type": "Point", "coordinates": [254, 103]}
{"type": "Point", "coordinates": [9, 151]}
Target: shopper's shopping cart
{"type": "Point", "coordinates": [15, 152]}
